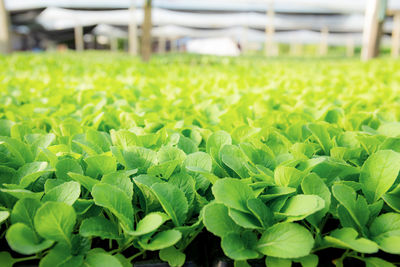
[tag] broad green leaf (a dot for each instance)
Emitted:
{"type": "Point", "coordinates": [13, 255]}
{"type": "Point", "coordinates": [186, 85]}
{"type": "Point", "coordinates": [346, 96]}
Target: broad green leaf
{"type": "Point", "coordinates": [173, 256]}
{"type": "Point", "coordinates": [308, 261]}
{"type": "Point", "coordinates": [161, 240]}
{"type": "Point", "coordinates": [348, 238]}
{"type": "Point", "coordinates": [233, 193]}
{"type": "Point", "coordinates": [378, 174]}
{"type": "Point", "coordinates": [55, 221]}
{"type": "Point", "coordinates": [150, 223]}
{"type": "Point", "coordinates": [277, 262]}
{"type": "Point", "coordinates": [168, 153]}
{"type": "Point", "coordinates": [286, 240]}
{"type": "Point", "coordinates": [186, 183]}
{"type": "Point", "coordinates": [60, 255]}
{"type": "Point", "coordinates": [261, 212]}
{"type": "Point", "coordinates": [240, 246]}
{"type": "Point", "coordinates": [321, 134]}
{"type": "Point", "coordinates": [24, 211]}
{"type": "Point", "coordinates": [30, 172]}
{"type": "Point", "coordinates": [23, 239]}
{"type": "Point", "coordinates": [99, 259]}
{"type": "Point", "coordinates": [287, 176]}
{"type": "Point", "coordinates": [217, 220]}
{"type": "Point", "coordinates": [235, 159]}
{"type": "Point", "coordinates": [355, 205]}
{"type": "Point", "coordinates": [4, 216]}
{"type": "Point", "coordinates": [377, 262]}
{"type": "Point", "coordinates": [244, 219]}
{"type": "Point", "coordinates": [23, 193]}
{"type": "Point", "coordinates": [216, 141]}
{"type": "Point", "coordinates": [6, 260]}
{"type": "Point", "coordinates": [64, 166]}
{"type": "Point", "coordinates": [67, 192]}
{"type": "Point", "coordinates": [173, 201]}
{"type": "Point", "coordinates": [114, 199]}
{"type": "Point", "coordinates": [300, 206]}
{"type": "Point", "coordinates": [313, 185]}
{"type": "Point", "coordinates": [120, 180]}
{"type": "Point", "coordinates": [139, 158]}
{"type": "Point", "coordinates": [99, 227]}
{"type": "Point", "coordinates": [385, 230]}
{"type": "Point", "coordinates": [199, 161]}
{"type": "Point", "coordinates": [100, 165]}
{"type": "Point", "coordinates": [85, 181]}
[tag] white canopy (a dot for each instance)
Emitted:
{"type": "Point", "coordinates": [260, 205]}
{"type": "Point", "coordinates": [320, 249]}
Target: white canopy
{"type": "Point", "coordinates": [283, 6]}
{"type": "Point", "coordinates": [57, 18]}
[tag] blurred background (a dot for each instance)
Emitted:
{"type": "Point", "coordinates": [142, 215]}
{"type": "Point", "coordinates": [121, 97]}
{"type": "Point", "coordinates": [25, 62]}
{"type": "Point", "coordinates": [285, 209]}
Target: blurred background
{"type": "Point", "coordinates": [219, 27]}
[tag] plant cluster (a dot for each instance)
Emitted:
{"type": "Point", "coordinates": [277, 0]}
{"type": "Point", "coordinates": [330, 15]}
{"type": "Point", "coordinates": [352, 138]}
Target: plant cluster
{"type": "Point", "coordinates": [103, 164]}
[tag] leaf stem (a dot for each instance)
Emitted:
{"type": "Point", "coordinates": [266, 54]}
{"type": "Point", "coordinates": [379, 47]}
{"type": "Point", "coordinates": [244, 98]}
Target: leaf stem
{"type": "Point", "coordinates": [136, 255]}
{"type": "Point", "coordinates": [34, 257]}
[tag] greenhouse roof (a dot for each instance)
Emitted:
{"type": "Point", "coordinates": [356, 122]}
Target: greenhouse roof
{"type": "Point", "coordinates": [282, 6]}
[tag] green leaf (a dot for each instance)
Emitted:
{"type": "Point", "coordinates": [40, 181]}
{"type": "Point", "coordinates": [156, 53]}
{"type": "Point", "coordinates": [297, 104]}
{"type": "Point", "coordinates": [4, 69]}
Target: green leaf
{"type": "Point", "coordinates": [348, 238]}
{"type": "Point", "coordinates": [240, 247]}
{"type": "Point", "coordinates": [217, 220]}
{"type": "Point", "coordinates": [101, 259]}
{"type": "Point", "coordinates": [100, 165]}
{"type": "Point", "coordinates": [64, 166]}
{"type": "Point", "coordinates": [199, 161]}
{"type": "Point", "coordinates": [85, 181]}
{"type": "Point", "coordinates": [30, 172]}
{"type": "Point", "coordinates": [6, 260]}
{"type": "Point", "coordinates": [286, 240]}
{"type": "Point", "coordinates": [232, 193]}
{"type": "Point", "coordinates": [313, 185]}
{"type": "Point", "coordinates": [277, 262]}
{"type": "Point", "coordinates": [99, 227]}
{"type": "Point", "coordinates": [308, 261]}
{"type": "Point", "coordinates": [24, 211]}
{"type": "Point", "coordinates": [139, 158]}
{"type": "Point", "coordinates": [4, 216]}
{"type": "Point", "coordinates": [287, 176]}
{"type": "Point", "coordinates": [55, 221]}
{"type": "Point", "coordinates": [354, 205]}
{"type": "Point", "coordinates": [22, 193]}
{"type": "Point", "coordinates": [378, 174]}
{"type": "Point", "coordinates": [168, 153]}
{"type": "Point", "coordinates": [377, 262]}
{"type": "Point", "coordinates": [114, 199]}
{"type": "Point", "coordinates": [245, 220]}
{"type": "Point", "coordinates": [23, 239]}
{"type": "Point", "coordinates": [320, 133]}
{"type": "Point", "coordinates": [261, 212]}
{"type": "Point", "coordinates": [161, 240]}
{"type": "Point", "coordinates": [120, 180]}
{"type": "Point", "coordinates": [235, 159]}
{"type": "Point", "coordinates": [60, 255]}
{"type": "Point", "coordinates": [149, 224]}
{"type": "Point", "coordinates": [173, 256]}
{"type": "Point", "coordinates": [385, 230]}
{"type": "Point", "coordinates": [173, 201]}
{"type": "Point", "coordinates": [300, 206]}
{"type": "Point", "coordinates": [216, 141]}
{"type": "Point", "coordinates": [67, 192]}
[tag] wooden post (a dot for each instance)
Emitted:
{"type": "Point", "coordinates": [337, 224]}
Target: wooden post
{"type": "Point", "coordinates": [323, 47]}
{"type": "Point", "coordinates": [270, 30]}
{"type": "Point", "coordinates": [5, 44]}
{"type": "Point", "coordinates": [132, 29]}
{"type": "Point", "coordinates": [146, 31]}
{"type": "Point", "coordinates": [350, 47]}
{"type": "Point", "coordinates": [296, 49]}
{"type": "Point", "coordinates": [162, 43]}
{"type": "Point", "coordinates": [78, 32]}
{"type": "Point", "coordinates": [396, 35]}
{"type": "Point", "coordinates": [114, 44]}
{"type": "Point", "coordinates": [374, 17]}
{"type": "Point", "coordinates": [245, 40]}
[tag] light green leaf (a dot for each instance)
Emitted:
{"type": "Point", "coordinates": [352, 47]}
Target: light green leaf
{"type": "Point", "coordinates": [348, 238]}
{"type": "Point", "coordinates": [100, 259]}
{"type": "Point", "coordinates": [98, 227]}
{"type": "Point", "coordinates": [173, 201]}
{"type": "Point", "coordinates": [85, 181]}
{"type": "Point", "coordinates": [288, 176]}
{"type": "Point", "coordinates": [64, 166]}
{"type": "Point", "coordinates": [240, 247]}
{"type": "Point", "coordinates": [173, 256]}
{"type": "Point", "coordinates": [235, 159]}
{"type": "Point", "coordinates": [23, 239]}
{"type": "Point", "coordinates": [277, 262]}
{"type": "Point", "coordinates": [4, 216]}
{"type": "Point", "coordinates": [232, 193]}
{"type": "Point", "coordinates": [30, 172]}
{"type": "Point", "coordinates": [24, 211]}
{"type": "Point", "coordinates": [67, 192]}
{"type": "Point", "coordinates": [217, 220]}
{"type": "Point", "coordinates": [120, 180]}
{"type": "Point", "coordinates": [286, 240]}
{"type": "Point", "coordinates": [150, 223]}
{"type": "Point", "coordinates": [377, 262]}
{"type": "Point", "coordinates": [385, 230]}
{"type": "Point", "coordinates": [116, 201]}
{"type": "Point", "coordinates": [161, 240]}
{"type": "Point", "coordinates": [378, 174]}
{"type": "Point", "coordinates": [55, 221]}
{"type": "Point", "coordinates": [300, 206]}
{"type": "Point", "coordinates": [100, 165]}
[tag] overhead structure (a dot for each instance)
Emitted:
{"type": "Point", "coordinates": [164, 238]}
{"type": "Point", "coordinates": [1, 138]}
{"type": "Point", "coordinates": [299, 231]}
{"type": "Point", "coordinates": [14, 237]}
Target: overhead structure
{"type": "Point", "coordinates": [5, 46]}
{"type": "Point", "coordinates": [146, 31]}
{"type": "Point", "coordinates": [133, 47]}
{"type": "Point", "coordinates": [395, 51]}
{"type": "Point", "coordinates": [78, 33]}
{"type": "Point", "coordinates": [270, 49]}
{"type": "Point", "coordinates": [375, 13]}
